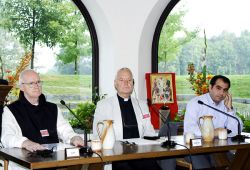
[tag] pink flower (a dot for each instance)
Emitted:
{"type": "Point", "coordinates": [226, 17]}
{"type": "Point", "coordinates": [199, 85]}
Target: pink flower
{"type": "Point", "coordinates": [7, 71]}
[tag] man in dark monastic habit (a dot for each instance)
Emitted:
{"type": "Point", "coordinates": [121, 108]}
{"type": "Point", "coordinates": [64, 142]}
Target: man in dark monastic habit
{"type": "Point", "coordinates": [31, 120]}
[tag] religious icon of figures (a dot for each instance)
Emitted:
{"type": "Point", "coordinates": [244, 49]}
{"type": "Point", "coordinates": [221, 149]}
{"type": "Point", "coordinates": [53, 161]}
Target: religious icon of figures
{"type": "Point", "coordinates": [161, 88]}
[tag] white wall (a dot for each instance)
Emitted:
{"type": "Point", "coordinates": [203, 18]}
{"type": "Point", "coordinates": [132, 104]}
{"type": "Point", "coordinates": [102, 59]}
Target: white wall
{"type": "Point", "coordinates": [125, 31]}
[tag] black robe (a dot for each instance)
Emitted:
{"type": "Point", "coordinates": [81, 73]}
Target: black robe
{"type": "Point", "coordinates": [38, 123]}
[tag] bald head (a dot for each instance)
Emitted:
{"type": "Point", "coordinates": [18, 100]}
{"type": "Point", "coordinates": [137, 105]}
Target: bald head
{"type": "Point", "coordinates": [24, 74]}
{"type": "Point", "coordinates": [31, 85]}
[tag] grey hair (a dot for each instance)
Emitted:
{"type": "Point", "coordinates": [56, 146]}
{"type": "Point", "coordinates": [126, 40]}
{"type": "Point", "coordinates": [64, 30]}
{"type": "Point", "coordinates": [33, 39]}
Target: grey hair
{"type": "Point", "coordinates": [23, 73]}
{"type": "Point", "coordinates": [124, 69]}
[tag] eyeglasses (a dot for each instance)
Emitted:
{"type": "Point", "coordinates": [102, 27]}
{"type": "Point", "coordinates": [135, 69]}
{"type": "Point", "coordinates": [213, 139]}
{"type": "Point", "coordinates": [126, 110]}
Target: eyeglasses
{"type": "Point", "coordinates": [34, 84]}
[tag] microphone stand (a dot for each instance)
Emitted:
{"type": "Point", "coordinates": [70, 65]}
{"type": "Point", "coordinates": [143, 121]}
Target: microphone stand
{"type": "Point", "coordinates": [71, 111]}
{"type": "Point", "coordinates": [84, 150]}
{"type": "Point", "coordinates": [168, 143]}
{"type": "Point", "coordinates": [238, 137]}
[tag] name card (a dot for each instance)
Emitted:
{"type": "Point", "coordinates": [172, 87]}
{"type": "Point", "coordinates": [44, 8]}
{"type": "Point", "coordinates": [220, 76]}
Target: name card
{"type": "Point", "coordinates": [196, 142]}
{"type": "Point", "coordinates": [72, 152]}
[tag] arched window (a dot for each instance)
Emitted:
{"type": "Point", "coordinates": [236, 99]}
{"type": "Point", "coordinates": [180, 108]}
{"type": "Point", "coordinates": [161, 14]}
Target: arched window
{"type": "Point", "coordinates": [63, 40]}
{"type": "Point", "coordinates": [95, 47]}
{"type": "Point", "coordinates": [223, 51]}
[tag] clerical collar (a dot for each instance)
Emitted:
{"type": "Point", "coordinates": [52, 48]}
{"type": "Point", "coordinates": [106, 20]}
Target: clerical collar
{"type": "Point", "coordinates": [123, 99]}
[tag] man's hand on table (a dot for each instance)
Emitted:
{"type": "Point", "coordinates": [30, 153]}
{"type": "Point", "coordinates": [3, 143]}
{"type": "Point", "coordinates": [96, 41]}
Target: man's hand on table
{"type": "Point", "coordinates": [32, 146]}
{"type": "Point", "coordinates": [77, 141]}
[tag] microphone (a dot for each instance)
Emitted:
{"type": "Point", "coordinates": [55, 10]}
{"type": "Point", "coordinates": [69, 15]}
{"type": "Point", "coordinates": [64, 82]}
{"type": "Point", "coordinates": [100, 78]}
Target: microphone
{"type": "Point", "coordinates": [85, 150]}
{"type": "Point", "coordinates": [168, 143]}
{"type": "Point", "coordinates": [238, 137]}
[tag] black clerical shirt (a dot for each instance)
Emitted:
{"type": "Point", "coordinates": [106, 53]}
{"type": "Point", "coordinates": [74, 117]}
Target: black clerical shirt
{"type": "Point", "coordinates": [129, 122]}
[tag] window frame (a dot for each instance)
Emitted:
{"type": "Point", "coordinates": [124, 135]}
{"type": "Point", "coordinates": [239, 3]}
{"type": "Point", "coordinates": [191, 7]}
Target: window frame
{"type": "Point", "coordinates": [157, 34]}
{"type": "Point", "coordinates": [95, 45]}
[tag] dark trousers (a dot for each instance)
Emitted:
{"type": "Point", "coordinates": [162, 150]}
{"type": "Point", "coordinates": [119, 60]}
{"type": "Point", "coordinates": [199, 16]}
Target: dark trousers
{"type": "Point", "coordinates": [140, 164]}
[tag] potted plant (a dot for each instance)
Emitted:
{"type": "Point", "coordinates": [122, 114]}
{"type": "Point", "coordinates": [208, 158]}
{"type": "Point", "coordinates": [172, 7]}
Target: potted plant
{"type": "Point", "coordinates": [84, 112]}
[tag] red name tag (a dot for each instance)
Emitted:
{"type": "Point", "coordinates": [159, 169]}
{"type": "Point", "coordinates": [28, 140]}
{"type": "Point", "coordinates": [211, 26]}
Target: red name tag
{"type": "Point", "coordinates": [44, 133]}
{"type": "Point", "coordinates": [145, 116]}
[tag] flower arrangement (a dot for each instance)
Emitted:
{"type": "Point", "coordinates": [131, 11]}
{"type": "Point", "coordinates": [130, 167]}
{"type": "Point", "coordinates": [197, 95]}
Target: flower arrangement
{"type": "Point", "coordinates": [22, 66]}
{"type": "Point", "coordinates": [13, 76]}
{"type": "Point", "coordinates": [9, 76]}
{"type": "Point", "coordinates": [199, 80]}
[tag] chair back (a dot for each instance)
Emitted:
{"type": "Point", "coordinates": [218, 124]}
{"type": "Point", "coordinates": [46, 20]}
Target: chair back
{"type": "Point", "coordinates": [175, 128]}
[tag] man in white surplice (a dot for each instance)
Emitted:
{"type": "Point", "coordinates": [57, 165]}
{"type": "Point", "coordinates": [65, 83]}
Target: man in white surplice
{"type": "Point", "coordinates": [131, 119]}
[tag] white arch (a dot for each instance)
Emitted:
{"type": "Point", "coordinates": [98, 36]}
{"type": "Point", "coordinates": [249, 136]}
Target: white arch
{"type": "Point", "coordinates": [125, 31]}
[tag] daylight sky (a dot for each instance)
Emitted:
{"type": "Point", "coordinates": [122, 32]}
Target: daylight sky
{"type": "Point", "coordinates": [217, 15]}
{"type": "Point", "coordinates": [45, 60]}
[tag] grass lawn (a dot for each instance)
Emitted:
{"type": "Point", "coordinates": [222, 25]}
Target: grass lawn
{"type": "Point", "coordinates": [239, 85]}
{"type": "Point", "coordinates": [67, 84]}
{"type": "Point", "coordinates": [81, 84]}
{"type": "Point", "coordinates": [75, 85]}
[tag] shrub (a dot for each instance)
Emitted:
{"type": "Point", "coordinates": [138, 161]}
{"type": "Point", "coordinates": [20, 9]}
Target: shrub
{"type": "Point", "coordinates": [84, 112]}
{"type": "Point", "coordinates": [245, 121]}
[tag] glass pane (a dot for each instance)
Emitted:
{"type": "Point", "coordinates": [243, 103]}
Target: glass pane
{"type": "Point", "coordinates": [56, 34]}
{"type": "Point", "coordinates": [218, 40]}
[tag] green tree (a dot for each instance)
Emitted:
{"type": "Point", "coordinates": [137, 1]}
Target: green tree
{"type": "Point", "coordinates": [226, 54]}
{"type": "Point", "coordinates": [190, 53]}
{"type": "Point", "coordinates": [10, 52]}
{"type": "Point", "coordinates": [221, 53]}
{"type": "Point", "coordinates": [242, 45]}
{"type": "Point", "coordinates": [35, 21]}
{"type": "Point", "coordinates": [173, 36]}
{"type": "Point", "coordinates": [76, 41]}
